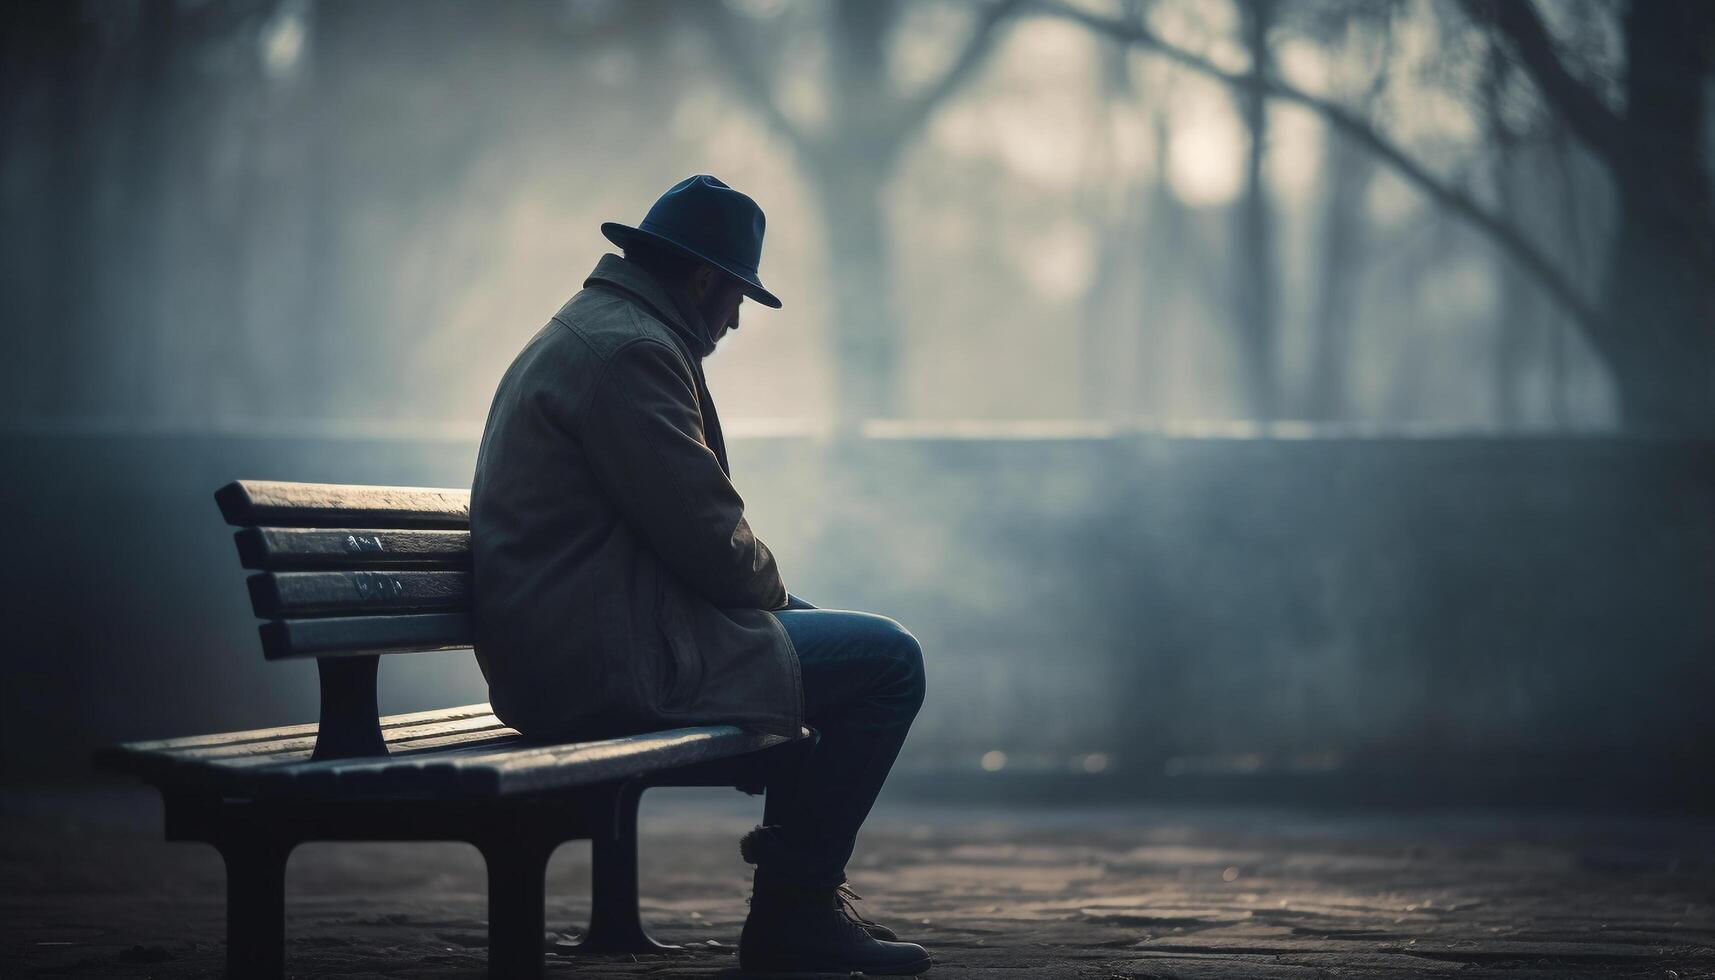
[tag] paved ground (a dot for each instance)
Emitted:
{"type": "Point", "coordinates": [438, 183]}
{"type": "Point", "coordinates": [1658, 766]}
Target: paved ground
{"type": "Point", "coordinates": [88, 890]}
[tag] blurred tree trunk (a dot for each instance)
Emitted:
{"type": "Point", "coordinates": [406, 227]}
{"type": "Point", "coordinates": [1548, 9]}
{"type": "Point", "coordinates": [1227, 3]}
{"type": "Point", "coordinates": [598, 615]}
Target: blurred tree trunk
{"type": "Point", "coordinates": [1254, 292]}
{"type": "Point", "coordinates": [1170, 250]}
{"type": "Point", "coordinates": [865, 321]}
{"type": "Point", "coordinates": [336, 30]}
{"type": "Point", "coordinates": [851, 161]}
{"type": "Point", "coordinates": [1346, 182]}
{"type": "Point", "coordinates": [46, 53]}
{"type": "Point", "coordinates": [1108, 370]}
{"type": "Point", "coordinates": [1655, 324]}
{"type": "Point", "coordinates": [1515, 322]}
{"type": "Point", "coordinates": [851, 172]}
{"type": "Point", "coordinates": [135, 369]}
{"type": "Point", "coordinates": [1659, 304]}
{"type": "Point", "coordinates": [230, 155]}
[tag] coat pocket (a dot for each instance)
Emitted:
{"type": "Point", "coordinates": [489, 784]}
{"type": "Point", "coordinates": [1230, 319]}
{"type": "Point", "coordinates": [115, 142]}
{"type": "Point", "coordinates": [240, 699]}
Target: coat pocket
{"type": "Point", "coordinates": [682, 673]}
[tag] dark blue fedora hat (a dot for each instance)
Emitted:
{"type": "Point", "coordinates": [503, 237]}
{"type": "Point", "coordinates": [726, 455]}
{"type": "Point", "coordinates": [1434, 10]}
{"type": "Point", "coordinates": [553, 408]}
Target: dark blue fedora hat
{"type": "Point", "coordinates": [704, 218]}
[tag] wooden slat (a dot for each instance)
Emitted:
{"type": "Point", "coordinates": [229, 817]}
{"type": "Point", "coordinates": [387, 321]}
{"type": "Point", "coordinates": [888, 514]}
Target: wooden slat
{"type": "Point", "coordinates": [293, 772]}
{"type": "Point", "coordinates": [515, 769]}
{"type": "Point", "coordinates": [362, 635]}
{"type": "Point", "coordinates": [284, 749]}
{"type": "Point", "coordinates": [236, 770]}
{"type": "Point", "coordinates": [582, 765]}
{"type": "Point", "coordinates": [124, 757]}
{"type": "Point", "coordinates": [436, 757]}
{"type": "Point", "coordinates": [301, 548]}
{"type": "Point", "coordinates": [388, 722]}
{"type": "Point", "coordinates": [270, 503]}
{"type": "Point", "coordinates": [304, 778]}
{"type": "Point", "coordinates": [292, 594]}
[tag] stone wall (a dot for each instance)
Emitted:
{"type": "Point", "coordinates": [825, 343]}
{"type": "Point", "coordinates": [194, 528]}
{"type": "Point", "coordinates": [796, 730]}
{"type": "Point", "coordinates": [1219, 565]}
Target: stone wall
{"type": "Point", "coordinates": [1121, 610]}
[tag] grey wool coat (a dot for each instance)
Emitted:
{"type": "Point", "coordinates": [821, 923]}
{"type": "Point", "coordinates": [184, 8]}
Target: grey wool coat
{"type": "Point", "coordinates": [618, 587]}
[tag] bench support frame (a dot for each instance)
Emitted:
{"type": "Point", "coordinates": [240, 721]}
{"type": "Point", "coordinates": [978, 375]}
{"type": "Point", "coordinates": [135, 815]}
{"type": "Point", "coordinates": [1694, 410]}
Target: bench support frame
{"type": "Point", "coordinates": [615, 923]}
{"type": "Point", "coordinates": [515, 835]}
{"type": "Point", "coordinates": [350, 726]}
{"type": "Point", "coordinates": [255, 904]}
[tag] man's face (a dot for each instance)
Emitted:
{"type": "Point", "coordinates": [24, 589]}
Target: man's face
{"type": "Point", "coordinates": [719, 305]}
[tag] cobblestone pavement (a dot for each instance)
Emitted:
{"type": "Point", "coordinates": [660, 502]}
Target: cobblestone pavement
{"type": "Point", "coordinates": [87, 888]}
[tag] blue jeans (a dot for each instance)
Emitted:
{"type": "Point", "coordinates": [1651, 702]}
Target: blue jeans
{"type": "Point", "coordinates": [863, 684]}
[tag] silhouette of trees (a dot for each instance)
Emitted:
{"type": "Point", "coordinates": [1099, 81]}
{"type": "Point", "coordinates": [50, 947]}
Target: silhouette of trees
{"type": "Point", "coordinates": [257, 208]}
{"type": "Point", "coordinates": [1652, 321]}
{"type": "Point", "coordinates": [1254, 289]}
{"type": "Point", "coordinates": [849, 157]}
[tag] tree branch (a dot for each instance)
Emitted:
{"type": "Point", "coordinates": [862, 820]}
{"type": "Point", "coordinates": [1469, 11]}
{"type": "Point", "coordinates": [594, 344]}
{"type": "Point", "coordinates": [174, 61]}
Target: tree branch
{"type": "Point", "coordinates": [984, 34]}
{"type": "Point", "coordinates": [1585, 114]}
{"type": "Point", "coordinates": [1450, 198]}
{"type": "Point", "coordinates": [741, 63]}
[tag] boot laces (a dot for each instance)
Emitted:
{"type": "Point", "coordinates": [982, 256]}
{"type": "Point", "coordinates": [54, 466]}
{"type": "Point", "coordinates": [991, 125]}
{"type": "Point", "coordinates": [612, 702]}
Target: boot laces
{"type": "Point", "coordinates": [844, 898]}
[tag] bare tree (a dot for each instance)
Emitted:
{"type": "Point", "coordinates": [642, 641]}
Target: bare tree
{"type": "Point", "coordinates": [1654, 324]}
{"type": "Point", "coordinates": [1253, 286]}
{"type": "Point", "coordinates": [1111, 325]}
{"type": "Point", "coordinates": [849, 162]}
{"type": "Point", "coordinates": [1346, 179]}
{"type": "Point", "coordinates": [1518, 319]}
{"type": "Point", "coordinates": [47, 241]}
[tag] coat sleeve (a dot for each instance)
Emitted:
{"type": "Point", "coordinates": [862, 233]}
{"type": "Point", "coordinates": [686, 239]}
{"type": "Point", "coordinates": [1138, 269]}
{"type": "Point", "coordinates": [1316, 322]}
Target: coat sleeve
{"type": "Point", "coordinates": [643, 435]}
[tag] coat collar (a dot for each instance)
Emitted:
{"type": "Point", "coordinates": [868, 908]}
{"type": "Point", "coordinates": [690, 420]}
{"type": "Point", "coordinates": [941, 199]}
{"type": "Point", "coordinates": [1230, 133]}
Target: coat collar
{"type": "Point", "coordinates": [617, 272]}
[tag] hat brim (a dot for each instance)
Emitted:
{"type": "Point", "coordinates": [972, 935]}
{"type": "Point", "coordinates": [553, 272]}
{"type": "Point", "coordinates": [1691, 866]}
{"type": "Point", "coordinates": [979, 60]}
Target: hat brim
{"type": "Point", "coordinates": [625, 235]}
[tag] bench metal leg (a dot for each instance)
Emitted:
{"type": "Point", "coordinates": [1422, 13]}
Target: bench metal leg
{"type": "Point", "coordinates": [517, 922]}
{"type": "Point", "coordinates": [615, 923]}
{"type": "Point", "coordinates": [255, 908]}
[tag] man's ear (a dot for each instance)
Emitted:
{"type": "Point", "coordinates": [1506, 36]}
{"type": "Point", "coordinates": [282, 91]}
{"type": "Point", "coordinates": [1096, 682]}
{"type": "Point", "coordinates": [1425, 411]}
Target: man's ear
{"type": "Point", "coordinates": [702, 281]}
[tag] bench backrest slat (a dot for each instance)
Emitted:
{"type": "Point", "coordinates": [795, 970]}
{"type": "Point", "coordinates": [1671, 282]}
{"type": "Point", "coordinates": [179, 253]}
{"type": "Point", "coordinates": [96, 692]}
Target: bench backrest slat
{"type": "Point", "coordinates": [346, 573]}
{"type": "Point", "coordinates": [276, 549]}
{"type": "Point", "coordinates": [268, 503]}
{"type": "Point", "coordinates": [354, 593]}
{"type": "Point", "coordinates": [349, 636]}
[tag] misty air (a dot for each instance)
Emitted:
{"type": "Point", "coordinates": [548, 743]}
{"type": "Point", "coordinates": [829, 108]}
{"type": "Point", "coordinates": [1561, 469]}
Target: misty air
{"type": "Point", "coordinates": [813, 488]}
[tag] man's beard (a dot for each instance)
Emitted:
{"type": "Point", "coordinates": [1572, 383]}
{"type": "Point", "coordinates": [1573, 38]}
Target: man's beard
{"type": "Point", "coordinates": [710, 316]}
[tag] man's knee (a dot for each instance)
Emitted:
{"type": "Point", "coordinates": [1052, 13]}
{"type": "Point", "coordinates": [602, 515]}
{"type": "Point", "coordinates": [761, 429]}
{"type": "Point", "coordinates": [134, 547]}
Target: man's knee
{"type": "Point", "coordinates": [907, 657]}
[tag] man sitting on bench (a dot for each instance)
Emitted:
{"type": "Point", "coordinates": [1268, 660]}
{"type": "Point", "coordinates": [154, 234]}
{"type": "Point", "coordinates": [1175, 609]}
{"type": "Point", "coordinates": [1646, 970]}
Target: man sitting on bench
{"type": "Point", "coordinates": [619, 589]}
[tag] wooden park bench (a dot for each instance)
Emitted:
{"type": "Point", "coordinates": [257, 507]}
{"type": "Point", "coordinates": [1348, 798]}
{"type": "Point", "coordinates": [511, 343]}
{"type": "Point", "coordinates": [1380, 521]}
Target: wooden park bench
{"type": "Point", "coordinates": [343, 575]}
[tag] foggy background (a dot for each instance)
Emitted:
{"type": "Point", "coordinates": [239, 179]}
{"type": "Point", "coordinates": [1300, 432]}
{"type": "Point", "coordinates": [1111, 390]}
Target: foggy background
{"type": "Point", "coordinates": [1266, 397]}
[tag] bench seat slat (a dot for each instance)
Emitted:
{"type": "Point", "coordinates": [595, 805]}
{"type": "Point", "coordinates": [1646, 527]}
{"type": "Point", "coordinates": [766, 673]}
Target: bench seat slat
{"type": "Point", "coordinates": [363, 635]}
{"type": "Point", "coordinates": [531, 768]}
{"type": "Point", "coordinates": [246, 503]}
{"type": "Point", "coordinates": [294, 772]}
{"type": "Point", "coordinates": [396, 739]}
{"type": "Point", "coordinates": [349, 593]}
{"type": "Point", "coordinates": [593, 762]}
{"type": "Point", "coordinates": [306, 548]}
{"type": "Point", "coordinates": [212, 763]}
{"type": "Point", "coordinates": [493, 737]}
{"type": "Point", "coordinates": [430, 760]}
{"type": "Point", "coordinates": [388, 722]}
{"type": "Point", "coordinates": [419, 770]}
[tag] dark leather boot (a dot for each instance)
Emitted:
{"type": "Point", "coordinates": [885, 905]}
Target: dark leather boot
{"type": "Point", "coordinates": [793, 929]}
{"type": "Point", "coordinates": [764, 847]}
{"type": "Point", "coordinates": [847, 899]}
